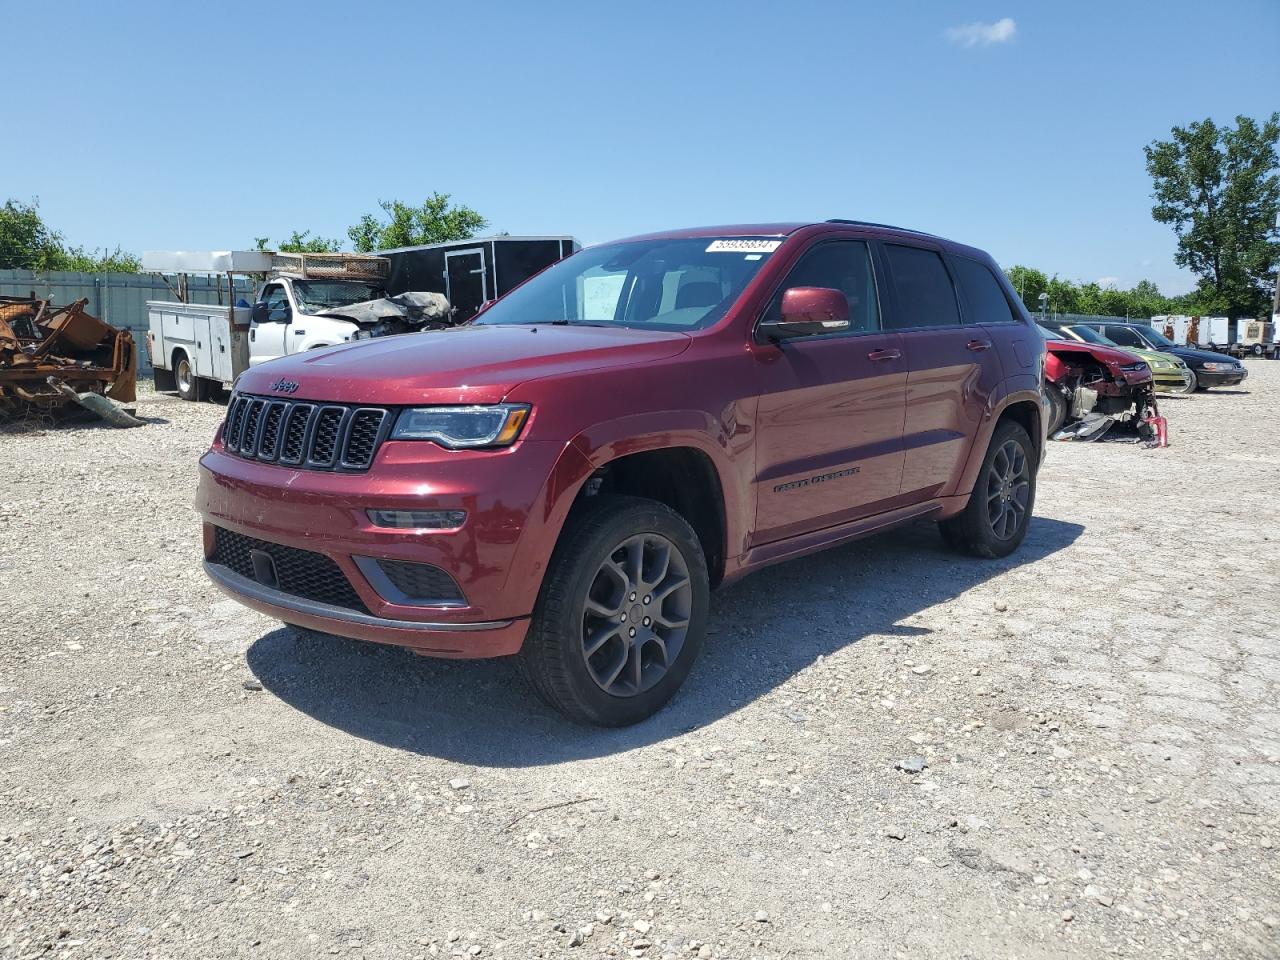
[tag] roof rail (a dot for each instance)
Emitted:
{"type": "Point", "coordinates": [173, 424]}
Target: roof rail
{"type": "Point", "coordinates": [884, 226]}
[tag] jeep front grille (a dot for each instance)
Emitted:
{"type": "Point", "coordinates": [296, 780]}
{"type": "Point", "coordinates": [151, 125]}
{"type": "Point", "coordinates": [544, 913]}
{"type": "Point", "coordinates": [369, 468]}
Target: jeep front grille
{"type": "Point", "coordinates": [297, 433]}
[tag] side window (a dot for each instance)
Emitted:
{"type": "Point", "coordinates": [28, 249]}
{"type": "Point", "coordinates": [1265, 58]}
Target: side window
{"type": "Point", "coordinates": [843, 265]}
{"type": "Point", "coordinates": [1124, 336]}
{"type": "Point", "coordinates": [277, 303]}
{"type": "Point", "coordinates": [925, 296]}
{"type": "Point", "coordinates": [982, 292]}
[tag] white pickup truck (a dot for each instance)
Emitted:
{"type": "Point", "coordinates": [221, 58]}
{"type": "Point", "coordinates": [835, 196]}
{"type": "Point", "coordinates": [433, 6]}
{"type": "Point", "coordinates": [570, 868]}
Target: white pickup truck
{"type": "Point", "coordinates": [307, 301]}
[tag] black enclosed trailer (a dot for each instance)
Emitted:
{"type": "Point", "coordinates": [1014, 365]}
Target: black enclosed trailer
{"type": "Point", "coordinates": [469, 272]}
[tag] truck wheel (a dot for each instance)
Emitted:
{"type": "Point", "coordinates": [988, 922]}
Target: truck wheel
{"type": "Point", "coordinates": [622, 613]}
{"type": "Point", "coordinates": [995, 521]}
{"type": "Point", "coordinates": [190, 387]}
{"type": "Point", "coordinates": [1257, 350]}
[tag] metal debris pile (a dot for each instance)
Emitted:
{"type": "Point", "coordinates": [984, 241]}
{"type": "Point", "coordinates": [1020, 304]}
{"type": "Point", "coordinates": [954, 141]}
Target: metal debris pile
{"type": "Point", "coordinates": [52, 357]}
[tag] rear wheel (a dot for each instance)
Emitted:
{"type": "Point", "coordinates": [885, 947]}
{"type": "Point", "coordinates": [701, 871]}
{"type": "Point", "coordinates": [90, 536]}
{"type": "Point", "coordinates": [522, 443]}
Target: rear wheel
{"type": "Point", "coordinates": [995, 521]}
{"type": "Point", "coordinates": [190, 387]}
{"type": "Point", "coordinates": [622, 613]}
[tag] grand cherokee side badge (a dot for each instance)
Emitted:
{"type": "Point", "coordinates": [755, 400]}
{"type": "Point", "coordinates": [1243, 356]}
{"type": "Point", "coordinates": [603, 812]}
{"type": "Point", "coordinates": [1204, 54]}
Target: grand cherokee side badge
{"type": "Point", "coordinates": [284, 386]}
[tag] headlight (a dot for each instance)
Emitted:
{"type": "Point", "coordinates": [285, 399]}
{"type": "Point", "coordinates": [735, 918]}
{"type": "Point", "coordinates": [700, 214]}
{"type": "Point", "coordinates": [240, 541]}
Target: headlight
{"type": "Point", "coordinates": [1220, 367]}
{"type": "Point", "coordinates": [497, 425]}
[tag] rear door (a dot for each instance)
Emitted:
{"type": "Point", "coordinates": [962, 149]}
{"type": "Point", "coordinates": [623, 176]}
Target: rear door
{"type": "Point", "coordinates": [465, 284]}
{"type": "Point", "coordinates": [829, 418]}
{"type": "Point", "coordinates": [986, 302]}
{"type": "Point", "coordinates": [952, 371]}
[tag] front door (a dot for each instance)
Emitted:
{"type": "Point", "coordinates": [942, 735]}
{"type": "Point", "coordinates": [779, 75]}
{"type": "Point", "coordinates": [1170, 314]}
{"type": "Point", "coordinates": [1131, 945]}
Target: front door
{"type": "Point", "coordinates": [267, 338]}
{"type": "Point", "coordinates": [953, 370]}
{"type": "Point", "coordinates": [465, 283]}
{"type": "Point", "coordinates": [829, 418]}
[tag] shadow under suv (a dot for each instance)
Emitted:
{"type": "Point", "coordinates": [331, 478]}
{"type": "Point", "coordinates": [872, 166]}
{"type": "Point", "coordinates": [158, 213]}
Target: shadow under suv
{"type": "Point", "coordinates": [567, 477]}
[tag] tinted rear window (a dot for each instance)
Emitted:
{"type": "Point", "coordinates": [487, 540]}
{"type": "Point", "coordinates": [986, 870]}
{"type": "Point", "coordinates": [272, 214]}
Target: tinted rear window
{"type": "Point", "coordinates": [925, 296]}
{"type": "Point", "coordinates": [982, 292]}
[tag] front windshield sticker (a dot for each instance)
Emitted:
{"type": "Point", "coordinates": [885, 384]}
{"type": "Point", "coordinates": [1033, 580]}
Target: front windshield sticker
{"type": "Point", "coordinates": [744, 246]}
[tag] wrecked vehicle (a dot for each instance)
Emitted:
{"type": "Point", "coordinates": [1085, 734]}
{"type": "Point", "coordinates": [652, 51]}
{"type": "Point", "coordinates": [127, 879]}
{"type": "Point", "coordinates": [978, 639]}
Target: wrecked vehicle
{"type": "Point", "coordinates": [308, 301]}
{"type": "Point", "coordinates": [312, 300]}
{"type": "Point", "coordinates": [1091, 388]}
{"type": "Point", "coordinates": [50, 356]}
{"type": "Point", "coordinates": [1169, 373]}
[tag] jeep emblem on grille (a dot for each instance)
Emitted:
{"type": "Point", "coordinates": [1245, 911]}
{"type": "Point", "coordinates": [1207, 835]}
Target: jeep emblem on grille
{"type": "Point", "coordinates": [284, 386]}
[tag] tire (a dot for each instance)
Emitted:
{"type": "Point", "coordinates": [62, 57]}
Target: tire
{"type": "Point", "coordinates": [1257, 350]}
{"type": "Point", "coordinates": [995, 528]}
{"type": "Point", "coordinates": [190, 387]}
{"type": "Point", "coordinates": [1193, 384]}
{"type": "Point", "coordinates": [611, 550]}
{"type": "Point", "coordinates": [1057, 409]}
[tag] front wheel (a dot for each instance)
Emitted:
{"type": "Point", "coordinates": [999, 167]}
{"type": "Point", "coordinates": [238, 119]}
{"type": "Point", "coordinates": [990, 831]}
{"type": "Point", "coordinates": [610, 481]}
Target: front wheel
{"type": "Point", "coordinates": [1191, 385]}
{"type": "Point", "coordinates": [995, 521]}
{"type": "Point", "coordinates": [622, 613]}
{"type": "Point", "coordinates": [1057, 409]}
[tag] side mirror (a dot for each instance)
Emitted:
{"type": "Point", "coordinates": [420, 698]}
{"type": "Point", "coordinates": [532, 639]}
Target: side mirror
{"type": "Point", "coordinates": [258, 312]}
{"type": "Point", "coordinates": [807, 311]}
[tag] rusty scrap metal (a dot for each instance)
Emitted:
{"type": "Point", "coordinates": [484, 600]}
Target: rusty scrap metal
{"type": "Point", "coordinates": [39, 341]}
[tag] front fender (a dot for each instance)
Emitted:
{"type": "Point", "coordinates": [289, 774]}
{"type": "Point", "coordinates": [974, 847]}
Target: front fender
{"type": "Point", "coordinates": [723, 442]}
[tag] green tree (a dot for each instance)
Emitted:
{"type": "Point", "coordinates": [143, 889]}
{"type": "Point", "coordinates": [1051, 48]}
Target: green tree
{"type": "Point", "coordinates": [1218, 188]}
{"type": "Point", "coordinates": [26, 242]}
{"type": "Point", "coordinates": [1029, 284]}
{"type": "Point", "coordinates": [98, 261]}
{"type": "Point", "coordinates": [305, 243]}
{"type": "Point", "coordinates": [436, 221]}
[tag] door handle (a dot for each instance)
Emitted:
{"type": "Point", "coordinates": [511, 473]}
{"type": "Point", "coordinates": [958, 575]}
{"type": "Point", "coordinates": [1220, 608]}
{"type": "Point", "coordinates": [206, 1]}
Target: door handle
{"type": "Point", "coordinates": [299, 333]}
{"type": "Point", "coordinates": [976, 345]}
{"type": "Point", "coordinates": [889, 354]}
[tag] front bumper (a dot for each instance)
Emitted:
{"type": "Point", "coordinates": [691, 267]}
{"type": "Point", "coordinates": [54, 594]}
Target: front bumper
{"type": "Point", "coordinates": [515, 501]}
{"type": "Point", "coordinates": [1170, 380]}
{"type": "Point", "coordinates": [471, 640]}
{"type": "Point", "coordinates": [1215, 378]}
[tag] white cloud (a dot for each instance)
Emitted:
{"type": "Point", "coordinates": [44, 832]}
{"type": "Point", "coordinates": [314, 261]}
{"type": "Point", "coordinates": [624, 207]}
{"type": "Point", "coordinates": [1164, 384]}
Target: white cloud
{"type": "Point", "coordinates": [1106, 282]}
{"type": "Point", "coordinates": [983, 34]}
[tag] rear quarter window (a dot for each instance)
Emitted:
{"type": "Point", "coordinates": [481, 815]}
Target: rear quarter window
{"type": "Point", "coordinates": [984, 297]}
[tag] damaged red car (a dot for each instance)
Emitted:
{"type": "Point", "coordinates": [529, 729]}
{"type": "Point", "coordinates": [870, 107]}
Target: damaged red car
{"type": "Point", "coordinates": [1090, 388]}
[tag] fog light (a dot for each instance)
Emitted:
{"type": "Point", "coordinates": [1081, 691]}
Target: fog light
{"type": "Point", "coordinates": [419, 519]}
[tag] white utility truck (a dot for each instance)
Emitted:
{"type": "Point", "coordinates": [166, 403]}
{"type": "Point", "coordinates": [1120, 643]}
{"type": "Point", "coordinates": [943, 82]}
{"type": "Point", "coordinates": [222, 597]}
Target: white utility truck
{"type": "Point", "coordinates": [306, 301]}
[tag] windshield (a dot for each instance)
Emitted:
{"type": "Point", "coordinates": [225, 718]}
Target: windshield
{"type": "Point", "coordinates": [315, 295]}
{"type": "Point", "coordinates": [1154, 336]}
{"type": "Point", "coordinates": [1089, 335]}
{"type": "Point", "coordinates": [663, 284]}
{"type": "Point", "coordinates": [1050, 334]}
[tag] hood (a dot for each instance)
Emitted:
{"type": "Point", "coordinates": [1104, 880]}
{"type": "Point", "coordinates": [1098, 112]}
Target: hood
{"type": "Point", "coordinates": [1205, 356]}
{"type": "Point", "coordinates": [475, 364]}
{"type": "Point", "coordinates": [1108, 355]}
{"type": "Point", "coordinates": [415, 308]}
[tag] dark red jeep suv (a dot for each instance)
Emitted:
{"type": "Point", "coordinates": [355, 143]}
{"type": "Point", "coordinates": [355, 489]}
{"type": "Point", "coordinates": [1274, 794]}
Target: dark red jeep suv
{"type": "Point", "coordinates": [567, 477]}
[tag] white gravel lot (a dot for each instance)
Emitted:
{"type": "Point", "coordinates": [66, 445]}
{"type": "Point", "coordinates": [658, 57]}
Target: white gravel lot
{"type": "Point", "coordinates": [1099, 716]}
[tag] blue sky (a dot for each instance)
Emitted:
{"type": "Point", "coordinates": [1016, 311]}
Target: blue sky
{"type": "Point", "coordinates": [1015, 126]}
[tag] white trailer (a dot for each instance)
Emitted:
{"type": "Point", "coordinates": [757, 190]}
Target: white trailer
{"type": "Point", "coordinates": [1239, 338]}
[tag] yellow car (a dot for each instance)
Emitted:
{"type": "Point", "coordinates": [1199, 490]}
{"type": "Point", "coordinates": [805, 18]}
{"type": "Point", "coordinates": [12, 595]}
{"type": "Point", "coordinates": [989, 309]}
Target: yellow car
{"type": "Point", "coordinates": [1168, 373]}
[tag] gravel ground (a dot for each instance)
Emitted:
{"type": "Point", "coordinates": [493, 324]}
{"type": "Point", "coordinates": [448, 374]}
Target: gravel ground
{"type": "Point", "coordinates": [886, 750]}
